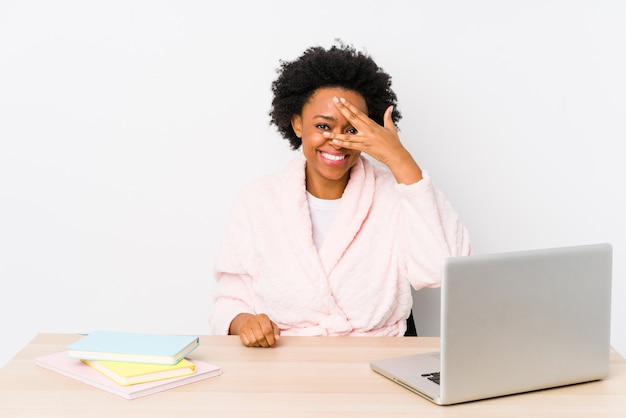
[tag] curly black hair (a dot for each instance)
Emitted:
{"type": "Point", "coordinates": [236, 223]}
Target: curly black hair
{"type": "Point", "coordinates": [340, 66]}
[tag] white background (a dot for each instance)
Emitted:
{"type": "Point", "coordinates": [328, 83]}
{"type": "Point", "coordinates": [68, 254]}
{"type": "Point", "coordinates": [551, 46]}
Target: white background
{"type": "Point", "coordinates": [126, 128]}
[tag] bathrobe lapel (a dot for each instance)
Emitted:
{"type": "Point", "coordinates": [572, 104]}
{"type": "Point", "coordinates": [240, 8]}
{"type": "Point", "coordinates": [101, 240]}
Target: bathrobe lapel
{"type": "Point", "coordinates": [355, 205]}
{"type": "Point", "coordinates": [297, 217]}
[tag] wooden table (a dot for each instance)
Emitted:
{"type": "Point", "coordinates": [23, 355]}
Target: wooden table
{"type": "Point", "coordinates": [302, 377]}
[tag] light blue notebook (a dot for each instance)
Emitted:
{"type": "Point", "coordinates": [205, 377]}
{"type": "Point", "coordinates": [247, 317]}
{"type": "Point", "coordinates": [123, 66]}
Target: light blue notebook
{"type": "Point", "coordinates": [133, 347]}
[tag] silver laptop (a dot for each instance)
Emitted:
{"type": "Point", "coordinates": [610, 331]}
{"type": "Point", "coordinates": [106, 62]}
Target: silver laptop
{"type": "Point", "coordinates": [515, 322]}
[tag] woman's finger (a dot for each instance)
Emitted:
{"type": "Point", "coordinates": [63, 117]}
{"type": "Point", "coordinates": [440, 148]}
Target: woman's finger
{"type": "Point", "coordinates": [350, 112]}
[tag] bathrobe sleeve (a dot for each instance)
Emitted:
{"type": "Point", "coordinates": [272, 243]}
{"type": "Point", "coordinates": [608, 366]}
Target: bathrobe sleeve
{"type": "Point", "coordinates": [433, 232]}
{"type": "Point", "coordinates": [233, 268]}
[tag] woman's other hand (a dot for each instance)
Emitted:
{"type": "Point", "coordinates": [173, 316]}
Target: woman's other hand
{"type": "Point", "coordinates": [255, 330]}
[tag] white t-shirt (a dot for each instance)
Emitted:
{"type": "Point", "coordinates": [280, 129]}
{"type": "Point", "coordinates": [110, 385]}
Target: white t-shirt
{"type": "Point", "coordinates": [322, 214]}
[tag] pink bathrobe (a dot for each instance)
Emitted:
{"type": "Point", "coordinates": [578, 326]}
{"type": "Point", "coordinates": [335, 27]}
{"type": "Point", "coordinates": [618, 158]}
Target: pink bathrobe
{"type": "Point", "coordinates": [385, 238]}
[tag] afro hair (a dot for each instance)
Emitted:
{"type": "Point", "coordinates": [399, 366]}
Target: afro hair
{"type": "Point", "coordinates": [340, 66]}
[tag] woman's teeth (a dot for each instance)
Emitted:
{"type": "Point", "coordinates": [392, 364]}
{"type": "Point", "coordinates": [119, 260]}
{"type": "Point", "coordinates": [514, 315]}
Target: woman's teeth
{"type": "Point", "coordinates": [333, 157]}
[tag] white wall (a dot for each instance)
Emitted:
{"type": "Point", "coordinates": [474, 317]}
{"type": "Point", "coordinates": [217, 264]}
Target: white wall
{"type": "Point", "coordinates": [127, 127]}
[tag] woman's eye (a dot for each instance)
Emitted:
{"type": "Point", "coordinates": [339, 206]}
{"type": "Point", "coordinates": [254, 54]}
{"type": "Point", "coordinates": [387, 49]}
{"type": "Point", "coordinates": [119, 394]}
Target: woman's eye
{"type": "Point", "coordinates": [352, 131]}
{"type": "Point", "coordinates": [322, 126]}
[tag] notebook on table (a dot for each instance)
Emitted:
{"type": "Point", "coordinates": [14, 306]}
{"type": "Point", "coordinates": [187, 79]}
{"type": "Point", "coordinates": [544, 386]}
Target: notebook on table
{"type": "Point", "coordinates": [133, 347]}
{"type": "Point", "coordinates": [515, 322]}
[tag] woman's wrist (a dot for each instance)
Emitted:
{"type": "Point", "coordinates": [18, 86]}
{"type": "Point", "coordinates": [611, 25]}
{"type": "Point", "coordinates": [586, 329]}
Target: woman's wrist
{"type": "Point", "coordinates": [406, 170]}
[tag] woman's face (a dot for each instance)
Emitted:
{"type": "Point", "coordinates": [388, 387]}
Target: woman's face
{"type": "Point", "coordinates": [328, 166]}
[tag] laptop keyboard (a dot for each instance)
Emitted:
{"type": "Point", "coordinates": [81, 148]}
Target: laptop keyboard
{"type": "Point", "coordinates": [433, 377]}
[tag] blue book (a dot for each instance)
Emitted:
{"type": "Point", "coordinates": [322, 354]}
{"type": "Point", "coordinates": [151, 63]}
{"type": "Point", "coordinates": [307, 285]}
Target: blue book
{"type": "Point", "coordinates": [133, 347]}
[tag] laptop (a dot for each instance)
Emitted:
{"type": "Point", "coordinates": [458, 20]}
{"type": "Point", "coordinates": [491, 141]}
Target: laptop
{"type": "Point", "coordinates": [515, 322]}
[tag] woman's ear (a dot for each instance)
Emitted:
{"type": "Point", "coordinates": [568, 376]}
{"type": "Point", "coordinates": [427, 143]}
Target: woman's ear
{"type": "Point", "coordinates": [296, 125]}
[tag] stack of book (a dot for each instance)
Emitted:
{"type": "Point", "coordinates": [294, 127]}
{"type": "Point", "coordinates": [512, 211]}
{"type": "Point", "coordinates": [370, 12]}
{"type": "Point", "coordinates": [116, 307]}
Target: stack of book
{"type": "Point", "coordinates": [130, 364]}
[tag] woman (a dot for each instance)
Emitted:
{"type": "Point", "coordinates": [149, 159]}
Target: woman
{"type": "Point", "coordinates": [332, 244]}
